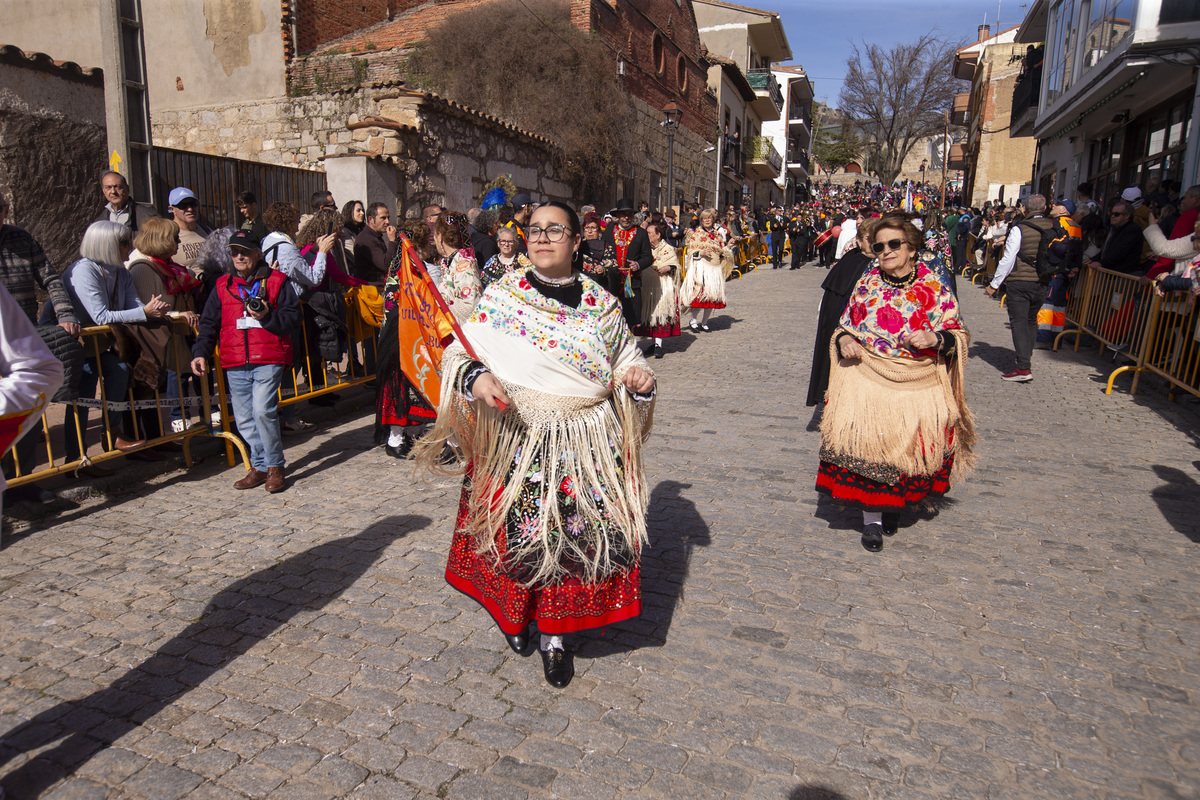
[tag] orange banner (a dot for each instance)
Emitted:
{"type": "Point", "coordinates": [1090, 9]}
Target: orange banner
{"type": "Point", "coordinates": [425, 325]}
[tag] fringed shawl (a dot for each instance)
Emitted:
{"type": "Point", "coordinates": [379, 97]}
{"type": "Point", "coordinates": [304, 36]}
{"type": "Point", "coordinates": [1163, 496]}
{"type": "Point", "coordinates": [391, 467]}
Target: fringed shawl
{"type": "Point", "coordinates": [660, 300]}
{"type": "Point", "coordinates": [562, 368]}
{"type": "Point", "coordinates": [902, 412]}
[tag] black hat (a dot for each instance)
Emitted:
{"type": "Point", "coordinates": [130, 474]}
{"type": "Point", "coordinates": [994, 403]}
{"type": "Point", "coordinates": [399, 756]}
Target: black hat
{"type": "Point", "coordinates": [624, 204]}
{"type": "Point", "coordinates": [245, 239]}
{"type": "Point", "coordinates": [521, 199]}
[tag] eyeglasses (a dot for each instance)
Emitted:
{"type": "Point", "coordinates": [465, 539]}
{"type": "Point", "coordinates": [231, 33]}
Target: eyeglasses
{"type": "Point", "coordinates": [509, 242]}
{"type": "Point", "coordinates": [240, 251]}
{"type": "Point", "coordinates": [187, 205]}
{"type": "Point", "coordinates": [890, 244]}
{"type": "Point", "coordinates": [555, 233]}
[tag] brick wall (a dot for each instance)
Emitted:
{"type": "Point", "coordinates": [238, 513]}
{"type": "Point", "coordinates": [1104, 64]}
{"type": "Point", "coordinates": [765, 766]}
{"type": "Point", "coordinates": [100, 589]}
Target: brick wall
{"type": "Point", "coordinates": [630, 29]}
{"type": "Point", "coordinates": [322, 21]}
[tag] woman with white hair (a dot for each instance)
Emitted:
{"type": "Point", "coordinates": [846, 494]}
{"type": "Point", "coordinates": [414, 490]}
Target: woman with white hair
{"type": "Point", "coordinates": [704, 285]}
{"type": "Point", "coordinates": [103, 293]}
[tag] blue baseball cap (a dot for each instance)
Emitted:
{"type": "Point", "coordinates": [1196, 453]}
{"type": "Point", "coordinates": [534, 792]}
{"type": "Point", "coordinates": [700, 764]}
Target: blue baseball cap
{"type": "Point", "coordinates": [179, 194]}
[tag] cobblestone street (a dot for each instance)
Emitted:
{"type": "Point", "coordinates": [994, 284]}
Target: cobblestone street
{"type": "Point", "coordinates": [1039, 637]}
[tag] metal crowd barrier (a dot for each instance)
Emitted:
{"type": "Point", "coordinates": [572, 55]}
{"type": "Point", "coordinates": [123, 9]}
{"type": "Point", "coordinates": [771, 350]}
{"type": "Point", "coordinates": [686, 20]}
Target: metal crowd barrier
{"type": "Point", "coordinates": [197, 416]}
{"type": "Point", "coordinates": [1122, 313]}
{"type": "Point", "coordinates": [202, 415]}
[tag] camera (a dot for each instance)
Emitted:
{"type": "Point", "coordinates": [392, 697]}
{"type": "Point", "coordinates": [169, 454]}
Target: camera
{"type": "Point", "coordinates": [255, 305]}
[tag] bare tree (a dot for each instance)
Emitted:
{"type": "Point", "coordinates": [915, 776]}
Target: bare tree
{"type": "Point", "coordinates": [897, 97]}
{"type": "Point", "coordinates": [525, 63]}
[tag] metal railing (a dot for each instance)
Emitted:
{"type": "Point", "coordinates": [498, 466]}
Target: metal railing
{"type": "Point", "coordinates": [217, 180]}
{"type": "Point", "coordinates": [763, 80]}
{"type": "Point", "coordinates": [760, 149]}
{"type": "Point", "coordinates": [1122, 314]}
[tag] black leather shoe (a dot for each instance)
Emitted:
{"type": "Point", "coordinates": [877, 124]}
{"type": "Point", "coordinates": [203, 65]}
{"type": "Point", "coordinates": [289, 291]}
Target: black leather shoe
{"type": "Point", "coordinates": [872, 538]}
{"type": "Point", "coordinates": [403, 450]}
{"type": "Point", "coordinates": [658, 351]}
{"type": "Point", "coordinates": [520, 643]}
{"type": "Point", "coordinates": [559, 667]}
{"type": "Point", "coordinates": [891, 523]}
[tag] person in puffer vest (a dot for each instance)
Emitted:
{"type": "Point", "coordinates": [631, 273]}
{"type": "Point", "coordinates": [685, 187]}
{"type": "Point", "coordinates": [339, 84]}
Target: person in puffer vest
{"type": "Point", "coordinates": [251, 313]}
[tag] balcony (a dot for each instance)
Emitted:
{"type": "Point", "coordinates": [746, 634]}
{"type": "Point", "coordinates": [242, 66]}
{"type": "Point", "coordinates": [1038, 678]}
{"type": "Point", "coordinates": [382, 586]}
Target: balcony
{"type": "Point", "coordinates": [958, 157]}
{"type": "Point", "coordinates": [763, 161]}
{"type": "Point", "coordinates": [768, 103]}
{"type": "Point", "coordinates": [960, 112]}
{"type": "Point", "coordinates": [1026, 94]}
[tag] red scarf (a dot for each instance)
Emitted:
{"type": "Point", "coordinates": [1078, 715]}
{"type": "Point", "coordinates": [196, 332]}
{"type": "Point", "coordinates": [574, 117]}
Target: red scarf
{"type": "Point", "coordinates": [176, 276]}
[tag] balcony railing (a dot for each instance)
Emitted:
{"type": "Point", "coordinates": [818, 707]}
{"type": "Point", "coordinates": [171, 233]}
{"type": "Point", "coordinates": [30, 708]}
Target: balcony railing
{"type": "Point", "coordinates": [1026, 94]}
{"type": "Point", "coordinates": [760, 150]}
{"type": "Point", "coordinates": [762, 81]}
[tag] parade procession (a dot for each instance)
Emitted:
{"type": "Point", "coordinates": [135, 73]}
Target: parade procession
{"type": "Point", "coordinates": [599, 399]}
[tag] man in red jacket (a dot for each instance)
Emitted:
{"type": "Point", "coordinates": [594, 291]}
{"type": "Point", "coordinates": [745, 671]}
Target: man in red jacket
{"type": "Point", "coordinates": [252, 312]}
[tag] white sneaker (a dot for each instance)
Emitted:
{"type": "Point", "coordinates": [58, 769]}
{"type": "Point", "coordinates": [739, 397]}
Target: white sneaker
{"type": "Point", "coordinates": [216, 419]}
{"type": "Point", "coordinates": [177, 426]}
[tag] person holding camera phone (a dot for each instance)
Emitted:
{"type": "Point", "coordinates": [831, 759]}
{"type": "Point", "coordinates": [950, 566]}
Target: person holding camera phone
{"type": "Point", "coordinates": [251, 313]}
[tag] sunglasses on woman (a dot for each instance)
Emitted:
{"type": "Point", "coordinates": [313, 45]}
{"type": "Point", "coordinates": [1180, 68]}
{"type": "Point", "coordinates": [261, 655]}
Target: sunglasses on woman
{"type": "Point", "coordinates": [890, 244]}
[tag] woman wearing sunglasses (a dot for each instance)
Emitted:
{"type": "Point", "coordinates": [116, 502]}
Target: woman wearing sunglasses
{"type": "Point", "coordinates": [896, 426]}
{"type": "Point", "coordinates": [550, 423]}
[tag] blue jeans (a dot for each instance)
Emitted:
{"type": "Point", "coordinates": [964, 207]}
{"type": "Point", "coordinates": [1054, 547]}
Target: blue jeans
{"type": "Point", "coordinates": [116, 381]}
{"type": "Point", "coordinates": [254, 394]}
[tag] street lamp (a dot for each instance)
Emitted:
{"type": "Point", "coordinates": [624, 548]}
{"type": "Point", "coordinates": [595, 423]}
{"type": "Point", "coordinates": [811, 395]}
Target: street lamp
{"type": "Point", "coordinates": [671, 116]}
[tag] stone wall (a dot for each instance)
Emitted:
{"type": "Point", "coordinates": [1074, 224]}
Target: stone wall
{"type": "Point", "coordinates": [694, 168]}
{"type": "Point", "coordinates": [52, 150]}
{"type": "Point", "coordinates": [444, 151]}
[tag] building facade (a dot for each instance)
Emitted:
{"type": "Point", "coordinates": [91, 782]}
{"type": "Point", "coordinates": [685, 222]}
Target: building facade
{"type": "Point", "coordinates": [791, 134]}
{"type": "Point", "coordinates": [752, 40]}
{"type": "Point", "coordinates": [1108, 90]}
{"type": "Point", "coordinates": [996, 164]}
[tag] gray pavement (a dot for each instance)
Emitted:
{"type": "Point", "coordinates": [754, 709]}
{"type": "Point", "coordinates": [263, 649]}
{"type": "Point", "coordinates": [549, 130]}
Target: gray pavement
{"type": "Point", "coordinates": [1036, 638]}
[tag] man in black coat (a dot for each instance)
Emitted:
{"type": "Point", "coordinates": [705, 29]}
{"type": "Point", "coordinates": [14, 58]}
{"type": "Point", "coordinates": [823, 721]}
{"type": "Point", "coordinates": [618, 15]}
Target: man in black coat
{"type": "Point", "coordinates": [632, 257]}
{"type": "Point", "coordinates": [1122, 251]}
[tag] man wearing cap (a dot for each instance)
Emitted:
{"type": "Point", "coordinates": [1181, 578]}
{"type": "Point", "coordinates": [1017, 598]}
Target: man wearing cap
{"type": "Point", "coordinates": [120, 206]}
{"type": "Point", "coordinates": [251, 313]}
{"type": "Point", "coordinates": [522, 210]}
{"type": "Point", "coordinates": [185, 210]}
{"type": "Point", "coordinates": [629, 246]}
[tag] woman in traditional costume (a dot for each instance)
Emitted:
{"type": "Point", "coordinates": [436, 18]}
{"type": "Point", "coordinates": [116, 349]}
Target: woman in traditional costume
{"type": "Point", "coordinates": [660, 299]}
{"type": "Point", "coordinates": [896, 426]}
{"type": "Point", "coordinates": [550, 423]}
{"type": "Point", "coordinates": [459, 283]}
{"type": "Point", "coordinates": [704, 285]}
{"type": "Point", "coordinates": [506, 260]}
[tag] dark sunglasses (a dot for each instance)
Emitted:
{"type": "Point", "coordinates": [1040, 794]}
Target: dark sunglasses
{"type": "Point", "coordinates": [186, 204]}
{"type": "Point", "coordinates": [890, 244]}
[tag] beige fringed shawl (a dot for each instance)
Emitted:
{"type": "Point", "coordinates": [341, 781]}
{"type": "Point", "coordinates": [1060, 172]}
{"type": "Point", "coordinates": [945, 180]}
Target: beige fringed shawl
{"type": "Point", "coordinates": [566, 430]}
{"type": "Point", "coordinates": [660, 300]}
{"type": "Point", "coordinates": [900, 412]}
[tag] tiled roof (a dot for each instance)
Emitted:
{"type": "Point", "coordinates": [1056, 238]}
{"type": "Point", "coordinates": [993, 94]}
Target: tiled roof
{"type": "Point", "coordinates": [10, 54]}
{"type": "Point", "coordinates": [459, 109]}
{"type": "Point", "coordinates": [405, 30]}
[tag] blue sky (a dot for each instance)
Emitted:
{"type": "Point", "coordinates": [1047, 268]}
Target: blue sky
{"type": "Point", "coordinates": [820, 31]}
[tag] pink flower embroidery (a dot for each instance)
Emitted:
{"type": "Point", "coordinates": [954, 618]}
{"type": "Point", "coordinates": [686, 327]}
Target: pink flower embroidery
{"type": "Point", "coordinates": [919, 321]}
{"type": "Point", "coordinates": [482, 316]}
{"type": "Point", "coordinates": [923, 296]}
{"type": "Point", "coordinates": [590, 300]}
{"type": "Point", "coordinates": [858, 312]}
{"type": "Point", "coordinates": [552, 343]}
{"type": "Point", "coordinates": [889, 319]}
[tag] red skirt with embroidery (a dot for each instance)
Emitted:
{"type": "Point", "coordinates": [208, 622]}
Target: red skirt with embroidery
{"type": "Point", "coordinates": [566, 607]}
{"type": "Point", "coordinates": [658, 331]}
{"type": "Point", "coordinates": [850, 488]}
{"type": "Point", "coordinates": [706, 304]}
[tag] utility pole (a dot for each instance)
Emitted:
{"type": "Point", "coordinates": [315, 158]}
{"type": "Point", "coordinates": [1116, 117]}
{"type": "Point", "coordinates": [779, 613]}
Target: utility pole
{"type": "Point", "coordinates": [126, 104]}
{"type": "Point", "coordinates": [945, 155]}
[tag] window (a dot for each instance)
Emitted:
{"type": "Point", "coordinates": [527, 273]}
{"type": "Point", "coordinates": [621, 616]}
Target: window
{"type": "Point", "coordinates": [1179, 11]}
{"type": "Point", "coordinates": [1106, 26]}
{"type": "Point", "coordinates": [659, 55]}
{"type": "Point", "coordinates": [1060, 50]}
{"type": "Point", "coordinates": [681, 70]}
{"type": "Point", "coordinates": [1159, 143]}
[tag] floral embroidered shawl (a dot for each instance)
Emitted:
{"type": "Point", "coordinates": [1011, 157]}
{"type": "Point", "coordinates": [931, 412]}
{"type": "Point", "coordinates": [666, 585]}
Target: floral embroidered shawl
{"type": "Point", "coordinates": [879, 314]}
